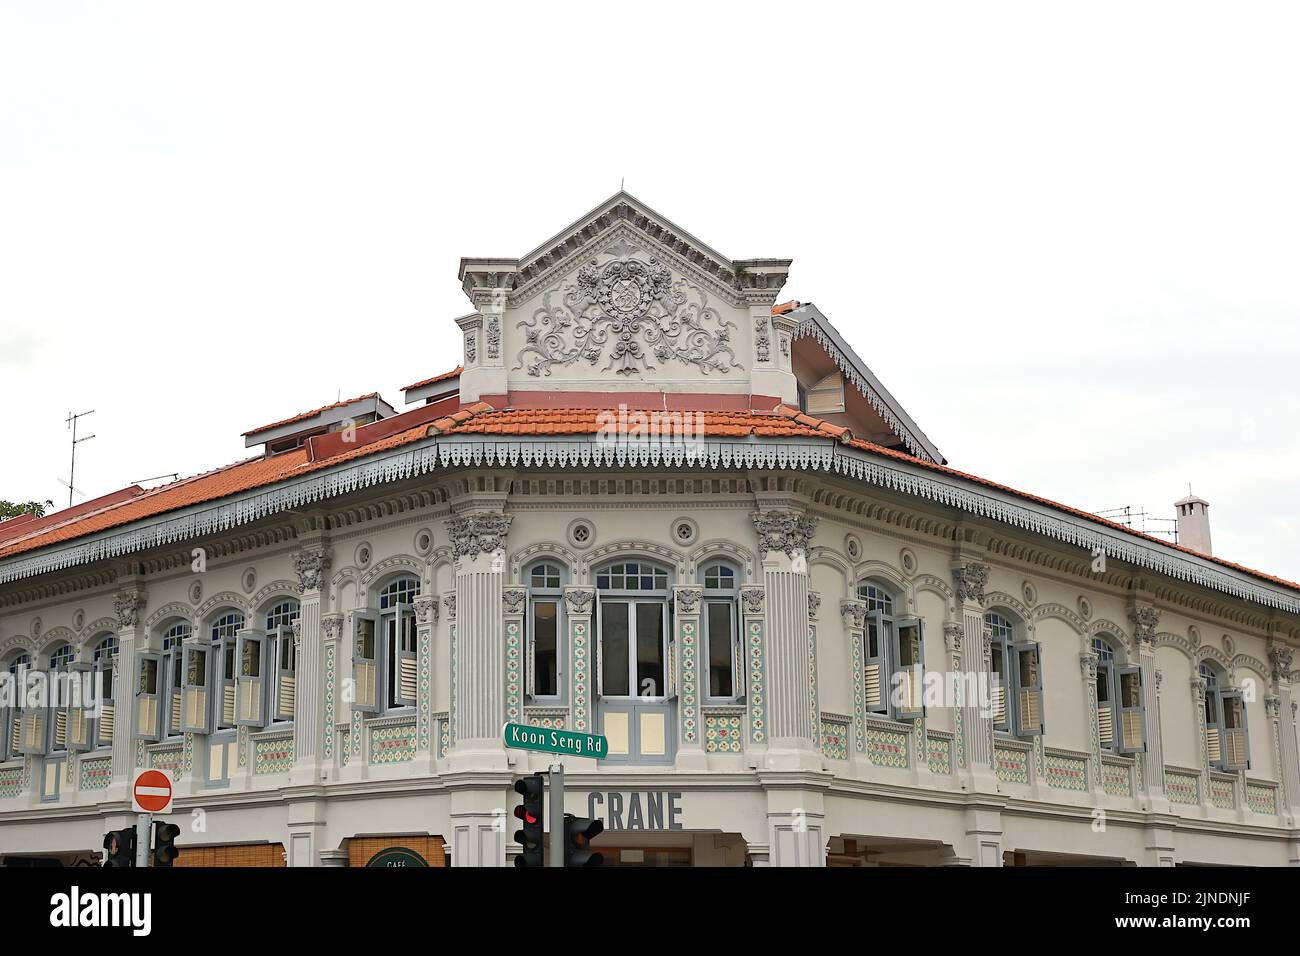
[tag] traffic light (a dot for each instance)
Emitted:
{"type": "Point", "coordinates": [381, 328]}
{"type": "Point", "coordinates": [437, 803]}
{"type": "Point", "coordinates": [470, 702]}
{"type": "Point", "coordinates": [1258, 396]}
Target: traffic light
{"type": "Point", "coordinates": [578, 834]}
{"type": "Point", "coordinates": [120, 845]}
{"type": "Point", "coordinates": [164, 843]}
{"type": "Point", "coordinates": [529, 835]}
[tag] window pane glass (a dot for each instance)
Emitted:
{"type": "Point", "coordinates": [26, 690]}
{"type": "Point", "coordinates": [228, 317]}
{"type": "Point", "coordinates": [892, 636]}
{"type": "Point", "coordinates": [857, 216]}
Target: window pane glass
{"type": "Point", "coordinates": [650, 650]}
{"type": "Point", "coordinates": [720, 643]}
{"type": "Point", "coordinates": [148, 676]}
{"type": "Point", "coordinates": [546, 680]}
{"type": "Point", "coordinates": [1028, 669]}
{"type": "Point", "coordinates": [614, 659]}
{"type": "Point", "coordinates": [366, 639]}
{"type": "Point", "coordinates": [1129, 690]}
{"type": "Point", "coordinates": [251, 665]}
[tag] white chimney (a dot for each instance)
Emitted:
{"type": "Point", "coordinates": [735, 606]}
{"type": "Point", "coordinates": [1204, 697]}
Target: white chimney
{"type": "Point", "coordinates": [1194, 523]}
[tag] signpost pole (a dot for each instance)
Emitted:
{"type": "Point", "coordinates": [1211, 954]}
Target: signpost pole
{"type": "Point", "coordinates": [557, 814]}
{"type": "Point", "coordinates": [143, 834]}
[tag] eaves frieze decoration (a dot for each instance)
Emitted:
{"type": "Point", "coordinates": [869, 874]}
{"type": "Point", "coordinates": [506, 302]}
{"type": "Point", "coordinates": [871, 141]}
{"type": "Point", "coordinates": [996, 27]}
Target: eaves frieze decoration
{"type": "Point", "coordinates": [630, 311]}
{"type": "Point", "coordinates": [585, 451]}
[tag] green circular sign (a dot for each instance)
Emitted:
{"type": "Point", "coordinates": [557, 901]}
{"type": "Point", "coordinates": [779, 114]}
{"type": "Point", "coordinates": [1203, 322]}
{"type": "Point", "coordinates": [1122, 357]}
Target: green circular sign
{"type": "Point", "coordinates": [397, 856]}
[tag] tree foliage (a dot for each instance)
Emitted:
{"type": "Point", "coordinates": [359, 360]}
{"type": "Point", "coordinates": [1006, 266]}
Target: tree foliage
{"type": "Point", "coordinates": [12, 509]}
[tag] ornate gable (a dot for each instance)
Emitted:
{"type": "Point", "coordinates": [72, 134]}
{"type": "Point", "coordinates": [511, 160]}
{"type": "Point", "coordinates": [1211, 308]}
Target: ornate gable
{"type": "Point", "coordinates": [623, 300]}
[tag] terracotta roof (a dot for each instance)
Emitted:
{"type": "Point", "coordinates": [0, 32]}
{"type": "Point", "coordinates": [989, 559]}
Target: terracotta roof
{"type": "Point", "coordinates": [483, 419]}
{"type": "Point", "coordinates": [785, 307]}
{"type": "Point", "coordinates": [302, 416]}
{"type": "Point", "coordinates": [437, 378]}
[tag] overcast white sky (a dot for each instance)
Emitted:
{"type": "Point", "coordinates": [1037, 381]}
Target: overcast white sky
{"type": "Point", "coordinates": [1067, 239]}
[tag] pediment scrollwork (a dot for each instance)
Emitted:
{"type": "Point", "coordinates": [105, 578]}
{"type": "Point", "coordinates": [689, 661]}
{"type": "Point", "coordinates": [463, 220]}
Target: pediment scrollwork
{"type": "Point", "coordinates": [630, 311]}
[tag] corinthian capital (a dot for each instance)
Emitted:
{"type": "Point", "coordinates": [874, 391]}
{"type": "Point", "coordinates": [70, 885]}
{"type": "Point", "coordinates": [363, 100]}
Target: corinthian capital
{"type": "Point", "coordinates": [1088, 664]}
{"type": "Point", "coordinates": [426, 609]}
{"type": "Point", "coordinates": [783, 530]}
{"type": "Point", "coordinates": [478, 532]}
{"type": "Point", "coordinates": [854, 614]}
{"type": "Point", "coordinates": [1280, 657]}
{"type": "Point", "coordinates": [311, 566]}
{"type": "Point", "coordinates": [128, 606]}
{"type": "Point", "coordinates": [1145, 620]}
{"type": "Point", "coordinates": [970, 580]}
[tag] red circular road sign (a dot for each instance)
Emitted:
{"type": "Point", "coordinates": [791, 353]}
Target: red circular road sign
{"type": "Point", "coordinates": [153, 791]}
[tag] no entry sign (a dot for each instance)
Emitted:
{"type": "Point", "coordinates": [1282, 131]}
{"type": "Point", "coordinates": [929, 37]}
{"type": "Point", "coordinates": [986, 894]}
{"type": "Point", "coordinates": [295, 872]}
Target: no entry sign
{"type": "Point", "coordinates": [152, 793]}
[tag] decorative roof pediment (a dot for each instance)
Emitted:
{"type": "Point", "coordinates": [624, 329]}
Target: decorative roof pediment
{"type": "Point", "coordinates": [623, 218]}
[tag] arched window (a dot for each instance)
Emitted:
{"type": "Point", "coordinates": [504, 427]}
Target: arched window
{"type": "Point", "coordinates": [1227, 739]}
{"type": "Point", "coordinates": [383, 642]}
{"type": "Point", "coordinates": [224, 633]}
{"type": "Point", "coordinates": [893, 657]}
{"type": "Point", "coordinates": [172, 640]}
{"type": "Point", "coordinates": [723, 678]}
{"type": "Point", "coordinates": [545, 643]}
{"type": "Point", "coordinates": [60, 665]}
{"type": "Point", "coordinates": [633, 630]}
{"type": "Point", "coordinates": [1016, 672]}
{"type": "Point", "coordinates": [12, 734]}
{"type": "Point", "coordinates": [103, 665]}
{"type": "Point", "coordinates": [634, 685]}
{"type": "Point", "coordinates": [280, 621]}
{"type": "Point", "coordinates": [1120, 709]}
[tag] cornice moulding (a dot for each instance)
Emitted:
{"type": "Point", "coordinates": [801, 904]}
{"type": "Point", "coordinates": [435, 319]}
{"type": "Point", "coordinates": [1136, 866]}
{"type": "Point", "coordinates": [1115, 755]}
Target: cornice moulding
{"type": "Point", "coordinates": [585, 451]}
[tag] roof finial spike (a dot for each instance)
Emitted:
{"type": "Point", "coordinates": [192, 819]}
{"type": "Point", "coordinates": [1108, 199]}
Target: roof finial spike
{"type": "Point", "coordinates": [621, 181]}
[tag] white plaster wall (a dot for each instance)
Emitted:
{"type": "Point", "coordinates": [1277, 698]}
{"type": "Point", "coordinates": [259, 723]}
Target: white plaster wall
{"type": "Point", "coordinates": [1179, 722]}
{"type": "Point", "coordinates": [1065, 706]}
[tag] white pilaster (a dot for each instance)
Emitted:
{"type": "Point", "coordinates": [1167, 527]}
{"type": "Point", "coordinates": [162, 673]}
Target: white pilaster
{"type": "Point", "coordinates": [129, 606]}
{"type": "Point", "coordinates": [312, 566]}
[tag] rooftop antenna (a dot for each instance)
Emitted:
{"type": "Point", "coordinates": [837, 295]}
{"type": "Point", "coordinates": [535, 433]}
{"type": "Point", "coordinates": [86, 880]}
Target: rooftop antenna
{"type": "Point", "coordinates": [72, 474]}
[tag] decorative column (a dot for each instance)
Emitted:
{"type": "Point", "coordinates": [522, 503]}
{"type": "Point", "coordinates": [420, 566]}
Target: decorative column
{"type": "Point", "coordinates": [487, 283]}
{"type": "Point", "coordinates": [1282, 713]}
{"type": "Point", "coordinates": [331, 628]}
{"type": "Point", "coordinates": [514, 601]}
{"type": "Point", "coordinates": [953, 631]}
{"type": "Point", "coordinates": [855, 618]}
{"type": "Point", "coordinates": [974, 719]}
{"type": "Point", "coordinates": [478, 546]}
{"type": "Point", "coordinates": [690, 752]}
{"type": "Point", "coordinates": [1088, 661]}
{"type": "Point", "coordinates": [480, 796]}
{"type": "Point", "coordinates": [311, 564]}
{"type": "Point", "coordinates": [791, 772]}
{"type": "Point", "coordinates": [426, 619]}
{"type": "Point", "coordinates": [579, 603]}
{"type": "Point", "coordinates": [771, 372]}
{"type": "Point", "coordinates": [128, 605]}
{"type": "Point", "coordinates": [1145, 619]}
{"type": "Point", "coordinates": [755, 644]}
{"type": "Point", "coordinates": [784, 535]}
{"type": "Point", "coordinates": [976, 722]}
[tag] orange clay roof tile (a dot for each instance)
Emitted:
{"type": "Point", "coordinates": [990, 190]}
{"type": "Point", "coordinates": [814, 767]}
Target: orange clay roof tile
{"type": "Point", "coordinates": [483, 419]}
{"type": "Point", "coordinates": [302, 416]}
{"type": "Point", "coordinates": [436, 379]}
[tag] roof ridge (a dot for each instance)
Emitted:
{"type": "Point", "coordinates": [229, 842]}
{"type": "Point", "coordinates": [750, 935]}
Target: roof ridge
{"type": "Point", "coordinates": [310, 413]}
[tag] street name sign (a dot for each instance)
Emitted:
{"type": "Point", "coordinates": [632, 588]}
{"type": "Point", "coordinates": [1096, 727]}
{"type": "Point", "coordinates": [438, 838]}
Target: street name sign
{"type": "Point", "coordinates": [551, 741]}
